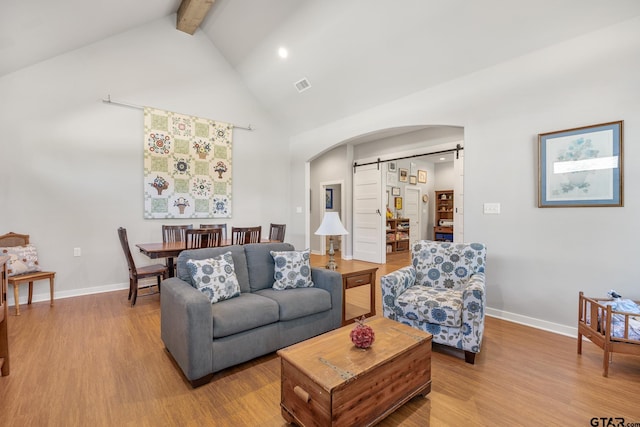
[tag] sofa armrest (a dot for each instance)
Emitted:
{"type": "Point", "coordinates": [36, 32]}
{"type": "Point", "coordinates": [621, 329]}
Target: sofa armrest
{"type": "Point", "coordinates": [393, 285]}
{"type": "Point", "coordinates": [330, 281]}
{"type": "Point", "coordinates": [186, 327]}
{"type": "Point", "coordinates": [473, 307]}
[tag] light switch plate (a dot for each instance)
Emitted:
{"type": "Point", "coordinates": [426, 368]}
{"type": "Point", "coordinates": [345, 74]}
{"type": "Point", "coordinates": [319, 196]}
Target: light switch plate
{"type": "Point", "coordinates": [491, 208]}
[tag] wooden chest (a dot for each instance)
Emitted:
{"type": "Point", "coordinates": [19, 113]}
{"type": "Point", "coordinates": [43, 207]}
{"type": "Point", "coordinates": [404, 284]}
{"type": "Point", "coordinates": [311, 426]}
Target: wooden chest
{"type": "Point", "coordinates": [327, 381]}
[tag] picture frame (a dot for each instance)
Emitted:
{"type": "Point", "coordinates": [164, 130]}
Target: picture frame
{"type": "Point", "coordinates": [392, 178]}
{"type": "Point", "coordinates": [422, 177]}
{"type": "Point", "coordinates": [581, 167]}
{"type": "Point", "coordinates": [404, 175]}
{"type": "Point", "coordinates": [395, 191]}
{"type": "Point", "coordinates": [398, 202]}
{"type": "Point", "coordinates": [328, 198]}
{"type": "Point", "coordinates": [413, 180]}
{"type": "Point", "coordinates": [413, 168]}
{"type": "Point", "coordinates": [392, 167]}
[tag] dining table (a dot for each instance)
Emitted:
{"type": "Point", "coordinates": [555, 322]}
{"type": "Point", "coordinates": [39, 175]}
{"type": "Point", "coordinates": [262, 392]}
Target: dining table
{"type": "Point", "coordinates": [171, 250]}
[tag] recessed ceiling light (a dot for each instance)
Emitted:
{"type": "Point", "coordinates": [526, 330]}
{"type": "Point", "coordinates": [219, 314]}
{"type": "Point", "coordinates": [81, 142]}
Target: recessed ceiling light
{"type": "Point", "coordinates": [283, 52]}
{"type": "Point", "coordinates": [442, 158]}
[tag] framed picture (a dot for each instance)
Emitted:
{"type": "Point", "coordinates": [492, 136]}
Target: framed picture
{"type": "Point", "coordinates": [328, 198]}
{"type": "Point", "coordinates": [404, 175]}
{"type": "Point", "coordinates": [398, 202]}
{"type": "Point", "coordinates": [413, 180]}
{"type": "Point", "coordinates": [387, 198]}
{"type": "Point", "coordinates": [422, 177]}
{"type": "Point", "coordinates": [581, 167]}
{"type": "Point", "coordinates": [413, 168]}
{"type": "Point", "coordinates": [392, 178]}
{"type": "Point", "coordinates": [392, 167]}
{"type": "Point", "coordinates": [395, 191]}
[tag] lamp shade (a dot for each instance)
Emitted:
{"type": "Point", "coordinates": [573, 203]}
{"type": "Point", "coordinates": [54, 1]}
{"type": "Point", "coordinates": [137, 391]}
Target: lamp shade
{"type": "Point", "coordinates": [331, 225]}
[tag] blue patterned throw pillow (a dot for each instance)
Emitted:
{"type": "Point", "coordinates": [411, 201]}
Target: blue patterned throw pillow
{"type": "Point", "coordinates": [292, 270]}
{"type": "Point", "coordinates": [215, 277]}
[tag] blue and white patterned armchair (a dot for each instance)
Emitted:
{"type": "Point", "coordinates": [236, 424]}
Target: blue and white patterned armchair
{"type": "Point", "coordinates": [442, 292]}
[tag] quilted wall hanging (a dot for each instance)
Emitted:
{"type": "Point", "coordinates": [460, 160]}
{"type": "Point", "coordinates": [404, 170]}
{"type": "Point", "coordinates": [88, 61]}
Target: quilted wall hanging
{"type": "Point", "coordinates": [187, 166]}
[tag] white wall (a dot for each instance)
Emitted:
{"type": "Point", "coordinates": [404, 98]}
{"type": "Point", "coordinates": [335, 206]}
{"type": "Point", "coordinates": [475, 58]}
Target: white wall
{"type": "Point", "coordinates": [71, 166]}
{"type": "Point", "coordinates": [538, 259]}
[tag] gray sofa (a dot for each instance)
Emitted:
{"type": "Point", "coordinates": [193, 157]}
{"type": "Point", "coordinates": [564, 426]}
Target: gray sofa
{"type": "Point", "coordinates": [204, 338]}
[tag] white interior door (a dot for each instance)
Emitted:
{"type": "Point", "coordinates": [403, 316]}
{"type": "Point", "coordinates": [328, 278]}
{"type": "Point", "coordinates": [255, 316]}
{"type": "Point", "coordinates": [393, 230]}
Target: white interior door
{"type": "Point", "coordinates": [368, 239]}
{"type": "Point", "coordinates": [458, 201]}
{"type": "Point", "coordinates": [412, 212]}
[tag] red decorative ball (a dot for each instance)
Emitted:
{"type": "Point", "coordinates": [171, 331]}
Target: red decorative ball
{"type": "Point", "coordinates": [362, 336]}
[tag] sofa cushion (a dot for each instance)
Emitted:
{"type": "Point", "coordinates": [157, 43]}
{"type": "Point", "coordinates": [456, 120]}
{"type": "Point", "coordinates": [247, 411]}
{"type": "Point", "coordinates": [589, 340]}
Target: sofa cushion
{"type": "Point", "coordinates": [239, 263]}
{"type": "Point", "coordinates": [260, 263]}
{"type": "Point", "coordinates": [434, 305]}
{"type": "Point", "coordinates": [300, 302]}
{"type": "Point", "coordinates": [291, 270]}
{"type": "Point", "coordinates": [248, 311]}
{"type": "Point", "coordinates": [215, 277]}
{"type": "Point", "coordinates": [22, 259]}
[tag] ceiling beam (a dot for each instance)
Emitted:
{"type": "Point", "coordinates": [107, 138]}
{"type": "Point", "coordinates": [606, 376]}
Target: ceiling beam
{"type": "Point", "coordinates": [191, 13]}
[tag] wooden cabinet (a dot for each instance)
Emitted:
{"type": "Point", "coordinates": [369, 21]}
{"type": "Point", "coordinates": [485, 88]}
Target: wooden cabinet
{"type": "Point", "coordinates": [397, 235]}
{"type": "Point", "coordinates": [443, 229]}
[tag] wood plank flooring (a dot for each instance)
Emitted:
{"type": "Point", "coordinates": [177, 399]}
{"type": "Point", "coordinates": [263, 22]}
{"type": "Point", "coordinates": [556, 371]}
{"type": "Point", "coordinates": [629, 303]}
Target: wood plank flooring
{"type": "Point", "coordinates": [95, 361]}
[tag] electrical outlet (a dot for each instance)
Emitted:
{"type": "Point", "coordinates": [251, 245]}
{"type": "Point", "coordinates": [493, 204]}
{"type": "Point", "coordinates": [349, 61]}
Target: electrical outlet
{"type": "Point", "coordinates": [77, 251]}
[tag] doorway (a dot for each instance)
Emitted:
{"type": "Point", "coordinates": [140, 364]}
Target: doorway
{"type": "Point", "coordinates": [331, 200]}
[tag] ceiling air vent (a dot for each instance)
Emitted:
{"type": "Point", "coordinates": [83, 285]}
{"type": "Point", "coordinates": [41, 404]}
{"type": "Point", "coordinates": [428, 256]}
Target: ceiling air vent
{"type": "Point", "coordinates": [302, 85]}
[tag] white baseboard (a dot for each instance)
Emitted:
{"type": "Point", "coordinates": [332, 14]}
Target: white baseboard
{"type": "Point", "coordinates": [533, 322]}
{"type": "Point", "coordinates": [45, 296]}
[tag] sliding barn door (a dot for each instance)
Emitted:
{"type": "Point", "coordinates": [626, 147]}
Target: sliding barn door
{"type": "Point", "coordinates": [368, 244]}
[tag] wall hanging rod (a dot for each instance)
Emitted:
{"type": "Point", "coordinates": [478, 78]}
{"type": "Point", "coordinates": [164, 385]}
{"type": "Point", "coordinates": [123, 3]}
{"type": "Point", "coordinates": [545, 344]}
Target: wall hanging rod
{"type": "Point", "coordinates": [140, 107]}
{"type": "Point", "coordinates": [457, 150]}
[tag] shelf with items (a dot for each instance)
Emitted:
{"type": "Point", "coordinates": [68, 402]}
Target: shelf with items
{"type": "Point", "coordinates": [443, 229]}
{"type": "Point", "coordinates": [397, 235]}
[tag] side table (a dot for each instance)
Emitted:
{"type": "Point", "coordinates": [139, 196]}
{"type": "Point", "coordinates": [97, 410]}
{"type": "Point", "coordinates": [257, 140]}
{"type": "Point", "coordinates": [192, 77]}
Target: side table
{"type": "Point", "coordinates": [355, 276]}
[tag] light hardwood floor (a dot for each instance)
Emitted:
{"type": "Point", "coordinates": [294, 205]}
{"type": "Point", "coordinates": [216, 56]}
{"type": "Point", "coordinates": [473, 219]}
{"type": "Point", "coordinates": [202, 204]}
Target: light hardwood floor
{"type": "Point", "coordinates": [95, 361]}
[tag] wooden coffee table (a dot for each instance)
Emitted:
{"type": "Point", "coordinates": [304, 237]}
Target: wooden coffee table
{"type": "Point", "coordinates": [327, 381]}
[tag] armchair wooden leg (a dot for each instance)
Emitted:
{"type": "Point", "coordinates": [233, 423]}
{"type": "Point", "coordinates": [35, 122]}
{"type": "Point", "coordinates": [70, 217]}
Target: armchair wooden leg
{"type": "Point", "coordinates": [470, 357]}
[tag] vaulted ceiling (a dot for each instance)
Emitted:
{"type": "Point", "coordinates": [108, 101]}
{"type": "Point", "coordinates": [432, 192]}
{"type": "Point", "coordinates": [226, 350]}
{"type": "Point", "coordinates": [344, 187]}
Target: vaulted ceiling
{"type": "Point", "coordinates": [356, 54]}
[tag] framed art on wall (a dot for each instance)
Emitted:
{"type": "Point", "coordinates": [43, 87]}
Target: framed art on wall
{"type": "Point", "coordinates": [404, 175]}
{"type": "Point", "coordinates": [329, 198]}
{"type": "Point", "coordinates": [392, 167]}
{"type": "Point", "coordinates": [422, 177]}
{"type": "Point", "coordinates": [395, 191]}
{"type": "Point", "coordinates": [581, 167]}
{"type": "Point", "coordinates": [412, 180]}
{"type": "Point", "coordinates": [398, 202]}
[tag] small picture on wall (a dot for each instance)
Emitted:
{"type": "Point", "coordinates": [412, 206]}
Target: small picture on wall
{"type": "Point", "coordinates": [404, 175]}
{"type": "Point", "coordinates": [329, 198]}
{"type": "Point", "coordinates": [392, 178]}
{"type": "Point", "coordinates": [395, 191]}
{"type": "Point", "coordinates": [398, 201]}
{"type": "Point", "coordinates": [413, 180]}
{"type": "Point", "coordinates": [392, 166]}
{"type": "Point", "coordinates": [422, 177]}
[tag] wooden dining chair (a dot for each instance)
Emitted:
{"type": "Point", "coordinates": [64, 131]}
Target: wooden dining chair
{"type": "Point", "coordinates": [136, 273]}
{"type": "Point", "coordinates": [222, 227]}
{"type": "Point", "coordinates": [276, 232]}
{"type": "Point", "coordinates": [197, 238]}
{"type": "Point", "coordinates": [244, 235]}
{"type": "Point", "coordinates": [12, 240]}
{"type": "Point", "coordinates": [174, 233]}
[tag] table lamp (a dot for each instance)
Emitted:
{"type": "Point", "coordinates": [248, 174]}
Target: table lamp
{"type": "Point", "coordinates": [331, 226]}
